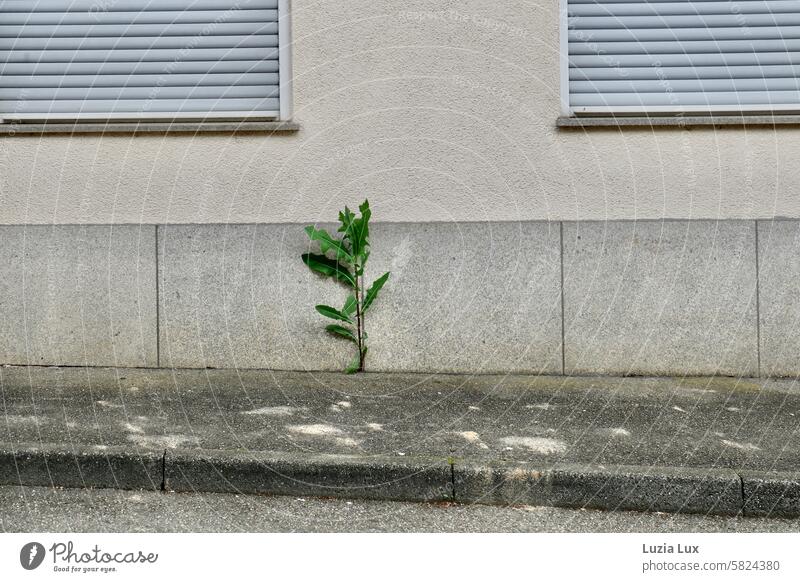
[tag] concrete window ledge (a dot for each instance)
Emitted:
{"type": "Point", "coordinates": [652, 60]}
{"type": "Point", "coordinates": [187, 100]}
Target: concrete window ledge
{"type": "Point", "coordinates": [11, 128]}
{"type": "Point", "coordinates": [676, 121]}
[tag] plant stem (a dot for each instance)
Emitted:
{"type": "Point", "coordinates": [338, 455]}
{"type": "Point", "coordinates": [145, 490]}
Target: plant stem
{"type": "Point", "coordinates": [358, 323]}
{"type": "Point", "coordinates": [363, 348]}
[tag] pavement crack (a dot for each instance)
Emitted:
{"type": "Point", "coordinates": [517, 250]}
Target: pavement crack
{"type": "Point", "coordinates": [164, 471]}
{"type": "Point", "coordinates": [452, 463]}
{"type": "Point", "coordinates": [741, 492]}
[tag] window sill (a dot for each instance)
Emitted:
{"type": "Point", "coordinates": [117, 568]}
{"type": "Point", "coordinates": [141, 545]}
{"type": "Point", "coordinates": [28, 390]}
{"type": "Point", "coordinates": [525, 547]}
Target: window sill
{"type": "Point", "coordinates": [11, 128]}
{"type": "Point", "coordinates": [678, 121]}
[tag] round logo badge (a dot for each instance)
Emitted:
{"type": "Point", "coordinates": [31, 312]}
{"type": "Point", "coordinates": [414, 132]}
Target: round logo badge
{"type": "Point", "coordinates": [31, 555]}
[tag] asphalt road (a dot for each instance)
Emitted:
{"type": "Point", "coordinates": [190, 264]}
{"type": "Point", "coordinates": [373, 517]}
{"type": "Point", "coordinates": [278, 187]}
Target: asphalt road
{"type": "Point", "coordinates": [34, 509]}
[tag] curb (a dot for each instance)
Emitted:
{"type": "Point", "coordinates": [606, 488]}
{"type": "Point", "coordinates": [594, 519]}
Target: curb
{"type": "Point", "coordinates": [345, 476]}
{"type": "Point", "coordinates": [629, 488]}
{"type": "Point", "coordinates": [637, 488]}
{"type": "Point", "coordinates": [52, 465]}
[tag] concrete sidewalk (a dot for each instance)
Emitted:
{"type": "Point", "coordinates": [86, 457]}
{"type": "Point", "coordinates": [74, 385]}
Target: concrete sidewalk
{"type": "Point", "coordinates": [698, 445]}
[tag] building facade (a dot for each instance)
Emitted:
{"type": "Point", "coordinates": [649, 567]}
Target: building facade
{"type": "Point", "coordinates": [524, 234]}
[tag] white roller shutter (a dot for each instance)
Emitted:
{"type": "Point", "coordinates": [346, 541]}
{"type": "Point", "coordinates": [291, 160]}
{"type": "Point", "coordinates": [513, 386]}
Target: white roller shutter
{"type": "Point", "coordinates": [634, 56]}
{"type": "Point", "coordinates": [142, 58]}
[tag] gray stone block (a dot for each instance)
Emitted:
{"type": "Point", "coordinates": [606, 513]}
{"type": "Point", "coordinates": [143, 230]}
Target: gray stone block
{"type": "Point", "coordinates": [771, 495]}
{"type": "Point", "coordinates": [239, 296]}
{"type": "Point", "coordinates": [779, 300]}
{"type": "Point", "coordinates": [660, 298]}
{"type": "Point", "coordinates": [475, 297]}
{"type": "Point", "coordinates": [676, 490]}
{"type": "Point", "coordinates": [78, 295]}
{"type": "Point", "coordinates": [462, 297]}
{"type": "Point", "coordinates": [668, 489]}
{"type": "Point", "coordinates": [58, 465]}
{"type": "Point", "coordinates": [500, 484]}
{"type": "Point", "coordinates": [319, 475]}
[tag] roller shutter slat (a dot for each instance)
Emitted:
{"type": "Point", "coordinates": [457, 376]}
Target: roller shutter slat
{"type": "Point", "coordinates": [147, 17]}
{"type": "Point", "coordinates": [100, 6]}
{"type": "Point", "coordinates": [147, 105]}
{"type": "Point", "coordinates": [640, 8]}
{"type": "Point", "coordinates": [135, 55]}
{"type": "Point", "coordinates": [156, 31]}
{"type": "Point", "coordinates": [685, 85]}
{"type": "Point", "coordinates": [66, 57]}
{"type": "Point", "coordinates": [109, 93]}
{"type": "Point", "coordinates": [624, 48]}
{"type": "Point", "coordinates": [139, 42]}
{"type": "Point", "coordinates": [131, 80]}
{"type": "Point", "coordinates": [139, 68]}
{"type": "Point", "coordinates": [645, 73]}
{"type": "Point", "coordinates": [630, 55]}
{"type": "Point", "coordinates": [686, 60]}
{"type": "Point", "coordinates": [688, 21]}
{"type": "Point", "coordinates": [667, 99]}
{"type": "Point", "coordinates": [689, 34]}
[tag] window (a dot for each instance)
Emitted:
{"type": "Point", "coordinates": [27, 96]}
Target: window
{"type": "Point", "coordinates": [672, 56]}
{"type": "Point", "coordinates": [144, 59]}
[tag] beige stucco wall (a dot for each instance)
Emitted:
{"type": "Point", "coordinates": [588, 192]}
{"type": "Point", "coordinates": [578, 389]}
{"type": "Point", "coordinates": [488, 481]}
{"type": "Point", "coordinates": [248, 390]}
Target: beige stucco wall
{"type": "Point", "coordinates": [438, 111]}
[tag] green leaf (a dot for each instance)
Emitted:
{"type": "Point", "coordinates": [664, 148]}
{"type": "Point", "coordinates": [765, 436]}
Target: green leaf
{"type": "Point", "coordinates": [354, 365]}
{"type": "Point", "coordinates": [327, 243]}
{"type": "Point", "coordinates": [342, 331]}
{"type": "Point", "coordinates": [359, 234]}
{"type": "Point", "coordinates": [353, 235]}
{"type": "Point", "coordinates": [358, 243]}
{"type": "Point", "coordinates": [350, 305]}
{"type": "Point", "coordinates": [356, 232]}
{"type": "Point", "coordinates": [346, 217]}
{"type": "Point", "coordinates": [331, 268]}
{"type": "Point", "coordinates": [364, 255]}
{"type": "Point", "coordinates": [372, 293]}
{"type": "Point", "coordinates": [332, 313]}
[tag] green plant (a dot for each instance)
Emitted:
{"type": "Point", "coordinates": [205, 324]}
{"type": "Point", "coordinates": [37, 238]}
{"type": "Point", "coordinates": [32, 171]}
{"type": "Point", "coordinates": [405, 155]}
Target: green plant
{"type": "Point", "coordinates": [344, 259]}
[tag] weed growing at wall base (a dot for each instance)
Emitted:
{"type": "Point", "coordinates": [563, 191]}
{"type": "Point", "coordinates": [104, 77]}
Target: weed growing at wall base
{"type": "Point", "coordinates": [343, 259]}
